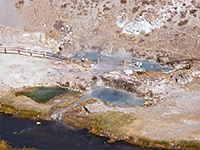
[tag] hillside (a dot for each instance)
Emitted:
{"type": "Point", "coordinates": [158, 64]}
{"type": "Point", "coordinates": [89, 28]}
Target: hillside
{"type": "Point", "coordinates": [142, 28]}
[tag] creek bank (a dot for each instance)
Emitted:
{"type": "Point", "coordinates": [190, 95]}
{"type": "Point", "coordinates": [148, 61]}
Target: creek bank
{"type": "Point", "coordinates": [164, 113]}
{"type": "Point", "coordinates": [43, 136]}
{"type": "Point", "coordinates": [101, 118]}
{"type": "Point", "coordinates": [24, 107]}
{"type": "Point", "coordinates": [110, 122]}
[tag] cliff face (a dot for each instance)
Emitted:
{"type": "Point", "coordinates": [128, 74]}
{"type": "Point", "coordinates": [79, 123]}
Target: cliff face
{"type": "Point", "coordinates": [121, 27]}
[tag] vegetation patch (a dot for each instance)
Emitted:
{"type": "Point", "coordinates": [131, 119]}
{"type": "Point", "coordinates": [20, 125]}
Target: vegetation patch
{"type": "Point", "coordinates": [24, 107]}
{"type": "Point", "coordinates": [21, 1]}
{"type": "Point", "coordinates": [10, 104]}
{"type": "Point", "coordinates": [11, 99]}
{"type": "Point", "coordinates": [140, 72]}
{"type": "Point", "coordinates": [130, 87]}
{"type": "Point", "coordinates": [4, 146]}
{"type": "Point", "coordinates": [22, 113]}
{"type": "Point", "coordinates": [75, 120]}
{"type": "Point", "coordinates": [8, 109]}
{"type": "Point", "coordinates": [193, 11]}
{"type": "Point", "coordinates": [182, 23]}
{"type": "Point", "coordinates": [135, 9]}
{"type": "Point", "coordinates": [144, 142]}
{"type": "Point", "coordinates": [189, 144]}
{"type": "Point", "coordinates": [28, 114]}
{"type": "Point", "coordinates": [162, 143]}
{"type": "Point", "coordinates": [123, 1]}
{"type": "Point", "coordinates": [111, 122]}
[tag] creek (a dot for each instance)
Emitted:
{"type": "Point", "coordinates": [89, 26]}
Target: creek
{"type": "Point", "coordinates": [52, 135]}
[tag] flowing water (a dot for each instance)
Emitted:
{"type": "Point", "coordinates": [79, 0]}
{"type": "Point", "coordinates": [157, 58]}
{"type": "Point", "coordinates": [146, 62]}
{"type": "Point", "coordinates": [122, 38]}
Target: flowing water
{"type": "Point", "coordinates": [52, 135]}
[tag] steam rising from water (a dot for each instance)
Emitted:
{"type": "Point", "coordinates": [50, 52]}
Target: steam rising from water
{"type": "Point", "coordinates": [115, 97]}
{"type": "Point", "coordinates": [109, 63]}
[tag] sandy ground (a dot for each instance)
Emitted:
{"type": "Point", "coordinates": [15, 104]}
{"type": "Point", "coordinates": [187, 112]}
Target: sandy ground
{"type": "Point", "coordinates": [173, 116]}
{"type": "Point", "coordinates": [176, 117]}
{"type": "Point", "coordinates": [22, 71]}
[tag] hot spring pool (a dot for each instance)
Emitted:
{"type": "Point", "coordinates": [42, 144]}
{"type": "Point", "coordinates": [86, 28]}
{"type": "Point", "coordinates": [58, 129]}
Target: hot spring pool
{"type": "Point", "coordinates": [117, 97]}
{"type": "Point", "coordinates": [115, 60]}
{"type": "Point", "coordinates": [42, 94]}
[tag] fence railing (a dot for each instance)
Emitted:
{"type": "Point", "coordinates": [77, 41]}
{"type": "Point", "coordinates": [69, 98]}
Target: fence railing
{"type": "Point", "coordinates": [49, 55]}
{"type": "Point", "coordinates": [183, 60]}
{"type": "Point", "coordinates": [32, 53]}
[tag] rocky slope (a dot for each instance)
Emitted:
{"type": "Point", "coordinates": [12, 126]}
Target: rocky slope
{"type": "Point", "coordinates": [143, 28]}
{"type": "Point", "coordinates": [136, 28]}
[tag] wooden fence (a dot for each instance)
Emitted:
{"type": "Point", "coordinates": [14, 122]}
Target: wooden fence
{"type": "Point", "coordinates": [183, 60]}
{"type": "Point", "coordinates": [31, 53]}
{"type": "Point", "coordinates": [49, 55]}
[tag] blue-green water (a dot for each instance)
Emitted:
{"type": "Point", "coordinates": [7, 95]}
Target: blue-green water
{"type": "Point", "coordinates": [114, 60]}
{"type": "Point", "coordinates": [42, 94]}
{"type": "Point", "coordinates": [116, 97]}
{"type": "Point", "coordinates": [110, 95]}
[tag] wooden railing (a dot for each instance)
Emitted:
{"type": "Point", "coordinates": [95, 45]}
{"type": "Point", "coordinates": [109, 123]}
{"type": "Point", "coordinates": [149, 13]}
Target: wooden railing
{"type": "Point", "coordinates": [183, 60]}
{"type": "Point", "coordinates": [49, 55]}
{"type": "Point", "coordinates": [31, 53]}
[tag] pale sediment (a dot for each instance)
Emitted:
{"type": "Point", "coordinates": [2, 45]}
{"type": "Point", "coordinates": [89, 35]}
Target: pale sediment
{"type": "Point", "coordinates": [171, 115]}
{"type": "Point", "coordinates": [163, 32]}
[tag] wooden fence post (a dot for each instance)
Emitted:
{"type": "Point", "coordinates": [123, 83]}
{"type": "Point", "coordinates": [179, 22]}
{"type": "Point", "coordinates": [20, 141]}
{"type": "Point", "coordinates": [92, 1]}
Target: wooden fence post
{"type": "Point", "coordinates": [31, 53]}
{"type": "Point", "coordinates": [45, 54]}
{"type": "Point", "coordinates": [19, 52]}
{"type": "Point", "coordinates": [124, 62]}
{"type": "Point", "coordinates": [5, 50]}
{"type": "Point", "coordinates": [98, 61]}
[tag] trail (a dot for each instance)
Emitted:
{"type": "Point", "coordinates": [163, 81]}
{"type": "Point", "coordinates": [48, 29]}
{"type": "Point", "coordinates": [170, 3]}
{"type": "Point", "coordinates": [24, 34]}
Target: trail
{"type": "Point", "coordinates": [57, 115]}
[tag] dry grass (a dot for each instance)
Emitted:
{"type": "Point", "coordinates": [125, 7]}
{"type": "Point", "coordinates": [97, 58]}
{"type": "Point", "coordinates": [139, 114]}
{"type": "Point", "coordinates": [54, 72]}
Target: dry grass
{"type": "Point", "coordinates": [189, 144]}
{"type": "Point", "coordinates": [112, 122]}
{"type": "Point", "coordinates": [28, 114]}
{"type": "Point", "coordinates": [4, 146]}
{"type": "Point", "coordinates": [8, 109]}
